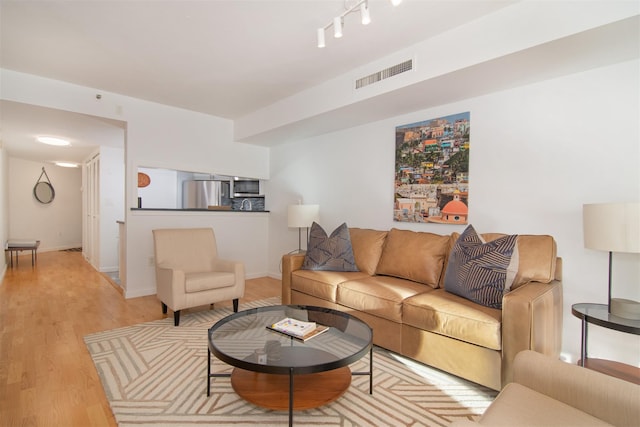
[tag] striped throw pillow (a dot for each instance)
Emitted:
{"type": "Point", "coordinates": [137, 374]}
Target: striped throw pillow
{"type": "Point", "coordinates": [477, 270]}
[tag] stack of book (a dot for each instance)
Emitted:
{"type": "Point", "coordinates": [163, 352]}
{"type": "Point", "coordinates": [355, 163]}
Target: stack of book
{"type": "Point", "coordinates": [298, 328]}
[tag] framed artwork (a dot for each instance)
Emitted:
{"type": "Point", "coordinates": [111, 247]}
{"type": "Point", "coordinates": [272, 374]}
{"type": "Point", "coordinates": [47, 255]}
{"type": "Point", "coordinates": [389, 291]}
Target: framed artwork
{"type": "Point", "coordinates": [432, 170]}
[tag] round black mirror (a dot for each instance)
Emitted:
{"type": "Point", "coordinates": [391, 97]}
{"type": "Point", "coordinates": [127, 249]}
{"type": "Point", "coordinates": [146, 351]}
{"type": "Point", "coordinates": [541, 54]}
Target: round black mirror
{"type": "Point", "coordinates": [44, 192]}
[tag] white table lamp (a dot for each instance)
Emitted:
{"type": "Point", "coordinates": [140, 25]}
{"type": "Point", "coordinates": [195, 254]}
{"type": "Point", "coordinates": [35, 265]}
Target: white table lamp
{"type": "Point", "coordinates": [302, 216]}
{"type": "Point", "coordinates": [614, 227]}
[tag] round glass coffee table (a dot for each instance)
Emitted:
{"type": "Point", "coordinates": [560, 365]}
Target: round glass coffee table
{"type": "Point", "coordinates": [279, 372]}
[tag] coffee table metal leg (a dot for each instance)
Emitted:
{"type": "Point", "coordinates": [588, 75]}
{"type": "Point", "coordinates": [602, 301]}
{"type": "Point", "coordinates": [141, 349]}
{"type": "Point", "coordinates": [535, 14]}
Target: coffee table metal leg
{"type": "Point", "coordinates": [210, 375]}
{"type": "Point", "coordinates": [290, 397]}
{"type": "Point", "coordinates": [371, 370]}
{"type": "Point", "coordinates": [208, 371]}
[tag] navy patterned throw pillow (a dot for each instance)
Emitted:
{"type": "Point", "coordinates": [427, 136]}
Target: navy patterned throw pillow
{"type": "Point", "coordinates": [331, 253]}
{"type": "Point", "coordinates": [477, 270]}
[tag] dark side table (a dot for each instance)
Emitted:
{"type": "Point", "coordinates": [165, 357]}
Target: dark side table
{"type": "Point", "coordinates": [598, 314]}
{"type": "Point", "coordinates": [18, 246]}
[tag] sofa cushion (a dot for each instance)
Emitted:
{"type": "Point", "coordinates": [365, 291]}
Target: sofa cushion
{"type": "Point", "coordinates": [380, 296]}
{"type": "Point", "coordinates": [322, 284]}
{"type": "Point", "coordinates": [332, 253]}
{"type": "Point", "coordinates": [478, 271]}
{"type": "Point", "coordinates": [412, 255]}
{"type": "Point", "coordinates": [537, 256]}
{"type": "Point", "coordinates": [367, 247]}
{"type": "Point", "coordinates": [447, 314]}
{"type": "Point", "coordinates": [517, 405]}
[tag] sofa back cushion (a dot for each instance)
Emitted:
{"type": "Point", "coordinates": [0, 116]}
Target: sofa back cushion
{"type": "Point", "coordinates": [412, 255]}
{"type": "Point", "coordinates": [367, 247]}
{"type": "Point", "coordinates": [537, 257]}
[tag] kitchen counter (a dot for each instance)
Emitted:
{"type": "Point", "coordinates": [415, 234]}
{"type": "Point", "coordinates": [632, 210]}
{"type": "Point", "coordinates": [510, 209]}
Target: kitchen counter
{"type": "Point", "coordinates": [195, 210]}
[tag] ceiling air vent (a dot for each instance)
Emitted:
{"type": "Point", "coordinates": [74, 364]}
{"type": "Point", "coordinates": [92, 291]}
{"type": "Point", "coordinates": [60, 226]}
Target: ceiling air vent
{"type": "Point", "coordinates": [384, 74]}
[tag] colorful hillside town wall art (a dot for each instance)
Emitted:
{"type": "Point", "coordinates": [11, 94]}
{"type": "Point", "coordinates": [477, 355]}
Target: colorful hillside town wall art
{"type": "Point", "coordinates": [432, 171]}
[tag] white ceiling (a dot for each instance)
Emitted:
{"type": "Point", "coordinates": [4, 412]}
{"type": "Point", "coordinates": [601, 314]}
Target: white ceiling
{"type": "Point", "coordinates": [227, 58]}
{"type": "Point", "coordinates": [230, 58]}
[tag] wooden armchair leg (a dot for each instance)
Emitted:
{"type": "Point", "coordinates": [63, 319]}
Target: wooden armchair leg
{"type": "Point", "coordinates": [164, 308]}
{"type": "Point", "coordinates": [176, 317]}
{"type": "Point", "coordinates": [235, 305]}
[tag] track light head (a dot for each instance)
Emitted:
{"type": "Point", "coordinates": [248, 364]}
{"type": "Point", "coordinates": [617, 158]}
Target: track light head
{"type": "Point", "coordinates": [321, 37]}
{"type": "Point", "coordinates": [337, 27]}
{"type": "Point", "coordinates": [364, 14]}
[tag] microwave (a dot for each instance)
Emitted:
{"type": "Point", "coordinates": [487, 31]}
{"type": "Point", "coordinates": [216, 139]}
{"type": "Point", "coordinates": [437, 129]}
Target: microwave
{"type": "Point", "coordinates": [243, 187]}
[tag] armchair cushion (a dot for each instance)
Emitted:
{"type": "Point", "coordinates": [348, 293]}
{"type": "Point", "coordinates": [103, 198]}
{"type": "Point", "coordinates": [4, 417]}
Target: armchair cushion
{"type": "Point", "coordinates": [196, 282]}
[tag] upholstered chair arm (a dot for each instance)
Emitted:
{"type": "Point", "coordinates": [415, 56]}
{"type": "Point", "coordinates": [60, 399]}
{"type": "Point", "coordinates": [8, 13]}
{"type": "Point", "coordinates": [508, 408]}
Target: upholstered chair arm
{"type": "Point", "coordinates": [170, 286]}
{"type": "Point", "coordinates": [463, 423]}
{"type": "Point", "coordinates": [227, 265]}
{"type": "Point", "coordinates": [290, 263]}
{"type": "Point", "coordinates": [531, 320]}
{"type": "Point", "coordinates": [602, 396]}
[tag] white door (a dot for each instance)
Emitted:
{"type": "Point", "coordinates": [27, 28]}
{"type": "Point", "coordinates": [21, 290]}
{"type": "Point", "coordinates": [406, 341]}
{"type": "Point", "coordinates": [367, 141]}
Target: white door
{"type": "Point", "coordinates": [91, 208]}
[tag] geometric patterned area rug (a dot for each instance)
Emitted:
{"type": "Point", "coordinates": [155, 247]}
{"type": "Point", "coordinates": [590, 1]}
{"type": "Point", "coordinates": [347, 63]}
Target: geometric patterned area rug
{"type": "Point", "coordinates": [155, 374]}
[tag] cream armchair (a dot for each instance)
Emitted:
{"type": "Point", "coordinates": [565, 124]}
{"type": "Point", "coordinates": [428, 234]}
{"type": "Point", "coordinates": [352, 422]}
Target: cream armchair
{"type": "Point", "coordinates": [189, 272]}
{"type": "Point", "coordinates": [546, 392]}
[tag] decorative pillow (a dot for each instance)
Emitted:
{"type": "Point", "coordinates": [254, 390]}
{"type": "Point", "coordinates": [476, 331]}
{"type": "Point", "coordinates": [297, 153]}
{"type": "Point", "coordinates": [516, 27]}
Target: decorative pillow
{"type": "Point", "coordinates": [477, 270]}
{"type": "Point", "coordinates": [331, 253]}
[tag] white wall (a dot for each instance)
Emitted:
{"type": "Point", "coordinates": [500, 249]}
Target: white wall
{"type": "Point", "coordinates": [537, 154]}
{"type": "Point", "coordinates": [4, 205]}
{"type": "Point", "coordinates": [162, 192]}
{"type": "Point", "coordinates": [111, 205]}
{"type": "Point", "coordinates": [58, 225]}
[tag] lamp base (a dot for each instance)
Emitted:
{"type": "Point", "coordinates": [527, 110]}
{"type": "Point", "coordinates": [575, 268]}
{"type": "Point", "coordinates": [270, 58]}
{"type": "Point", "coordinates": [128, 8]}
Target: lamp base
{"type": "Point", "coordinates": [625, 308]}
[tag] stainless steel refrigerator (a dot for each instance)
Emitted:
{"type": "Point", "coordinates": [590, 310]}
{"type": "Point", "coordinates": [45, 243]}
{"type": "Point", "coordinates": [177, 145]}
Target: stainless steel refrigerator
{"type": "Point", "coordinates": [201, 194]}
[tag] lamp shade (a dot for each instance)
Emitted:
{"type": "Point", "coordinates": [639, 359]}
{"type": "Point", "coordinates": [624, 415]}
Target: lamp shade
{"type": "Point", "coordinates": [612, 227]}
{"type": "Point", "coordinates": [301, 216]}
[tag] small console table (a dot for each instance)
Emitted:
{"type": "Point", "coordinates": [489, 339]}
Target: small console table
{"type": "Point", "coordinates": [598, 314]}
{"type": "Point", "coordinates": [23, 245]}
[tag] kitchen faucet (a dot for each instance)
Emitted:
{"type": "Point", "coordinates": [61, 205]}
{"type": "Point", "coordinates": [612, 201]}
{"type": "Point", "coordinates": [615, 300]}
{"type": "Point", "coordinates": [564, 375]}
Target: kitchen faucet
{"type": "Point", "coordinates": [242, 204]}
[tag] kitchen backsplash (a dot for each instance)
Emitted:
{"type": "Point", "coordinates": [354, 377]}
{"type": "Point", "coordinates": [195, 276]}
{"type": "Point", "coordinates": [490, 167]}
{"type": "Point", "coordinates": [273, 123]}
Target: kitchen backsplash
{"type": "Point", "coordinates": [256, 203]}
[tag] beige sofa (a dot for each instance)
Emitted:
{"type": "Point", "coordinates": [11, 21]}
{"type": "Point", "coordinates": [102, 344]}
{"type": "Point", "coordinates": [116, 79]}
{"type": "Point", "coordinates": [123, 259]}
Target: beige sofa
{"type": "Point", "coordinates": [546, 392]}
{"type": "Point", "coordinates": [399, 293]}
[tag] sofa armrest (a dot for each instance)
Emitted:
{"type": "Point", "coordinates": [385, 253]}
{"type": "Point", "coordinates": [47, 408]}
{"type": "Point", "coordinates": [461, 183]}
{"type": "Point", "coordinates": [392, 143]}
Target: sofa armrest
{"type": "Point", "coordinates": [290, 263]}
{"type": "Point", "coordinates": [608, 398]}
{"type": "Point", "coordinates": [531, 320]}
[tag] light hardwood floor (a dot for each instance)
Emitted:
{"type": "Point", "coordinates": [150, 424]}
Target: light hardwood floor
{"type": "Point", "coordinates": [47, 377]}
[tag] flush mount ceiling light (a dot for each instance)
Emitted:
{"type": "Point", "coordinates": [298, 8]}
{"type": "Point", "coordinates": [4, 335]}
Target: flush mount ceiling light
{"type": "Point", "coordinates": [53, 141]}
{"type": "Point", "coordinates": [66, 164]}
{"type": "Point", "coordinates": [350, 6]}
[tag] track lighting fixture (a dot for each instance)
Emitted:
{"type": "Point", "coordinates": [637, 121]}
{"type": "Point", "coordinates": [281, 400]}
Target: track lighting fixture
{"type": "Point", "coordinates": [338, 22]}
